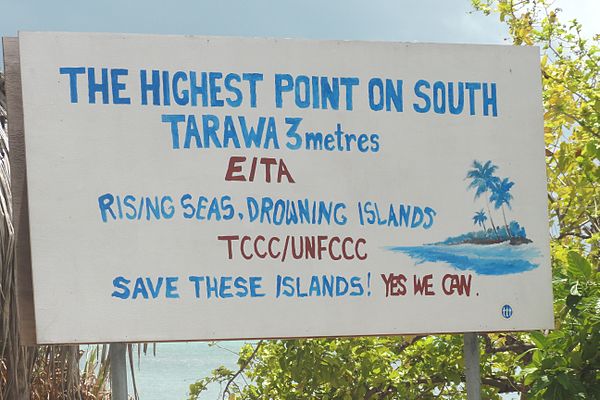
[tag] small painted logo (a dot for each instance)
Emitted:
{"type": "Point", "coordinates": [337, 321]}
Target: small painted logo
{"type": "Point", "coordinates": [507, 311]}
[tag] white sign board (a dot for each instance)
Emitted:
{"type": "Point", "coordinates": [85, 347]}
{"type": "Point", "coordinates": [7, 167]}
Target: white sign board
{"type": "Point", "coordinates": [195, 188]}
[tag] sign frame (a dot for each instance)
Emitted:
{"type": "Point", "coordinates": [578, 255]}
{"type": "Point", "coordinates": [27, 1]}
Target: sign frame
{"type": "Point", "coordinates": [24, 279]}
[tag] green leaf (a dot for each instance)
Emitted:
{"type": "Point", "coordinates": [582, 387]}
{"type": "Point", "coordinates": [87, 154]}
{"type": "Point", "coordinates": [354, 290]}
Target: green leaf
{"type": "Point", "coordinates": [564, 381]}
{"type": "Point", "coordinates": [555, 392]}
{"type": "Point", "coordinates": [539, 339]}
{"type": "Point", "coordinates": [578, 265]}
{"type": "Point", "coordinates": [530, 375]}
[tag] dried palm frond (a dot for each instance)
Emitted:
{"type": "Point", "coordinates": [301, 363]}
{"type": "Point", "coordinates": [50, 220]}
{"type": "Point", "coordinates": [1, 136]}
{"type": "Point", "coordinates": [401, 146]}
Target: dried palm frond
{"type": "Point", "coordinates": [43, 372]}
{"type": "Point", "coordinates": [39, 372]}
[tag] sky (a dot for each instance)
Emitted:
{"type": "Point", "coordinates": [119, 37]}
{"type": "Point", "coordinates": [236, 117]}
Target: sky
{"type": "Point", "coordinates": [398, 20]}
{"type": "Point", "coordinates": [587, 12]}
{"type": "Point", "coordinates": [380, 20]}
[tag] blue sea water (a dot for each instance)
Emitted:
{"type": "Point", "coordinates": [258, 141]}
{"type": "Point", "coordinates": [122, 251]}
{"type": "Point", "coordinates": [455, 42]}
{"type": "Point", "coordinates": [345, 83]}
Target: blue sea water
{"type": "Point", "coordinates": [168, 374]}
{"type": "Point", "coordinates": [496, 259]}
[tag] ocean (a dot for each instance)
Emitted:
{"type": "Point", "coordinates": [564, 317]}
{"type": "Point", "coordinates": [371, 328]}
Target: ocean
{"type": "Point", "coordinates": [168, 375]}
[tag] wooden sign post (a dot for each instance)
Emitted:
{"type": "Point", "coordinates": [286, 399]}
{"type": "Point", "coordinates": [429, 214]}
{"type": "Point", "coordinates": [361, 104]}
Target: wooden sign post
{"type": "Point", "coordinates": [118, 371]}
{"type": "Point", "coordinates": [472, 366]}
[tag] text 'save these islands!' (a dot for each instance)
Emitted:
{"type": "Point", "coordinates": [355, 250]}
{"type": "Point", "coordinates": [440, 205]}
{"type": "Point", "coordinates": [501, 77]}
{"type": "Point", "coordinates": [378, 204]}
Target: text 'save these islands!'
{"type": "Point", "coordinates": [200, 188]}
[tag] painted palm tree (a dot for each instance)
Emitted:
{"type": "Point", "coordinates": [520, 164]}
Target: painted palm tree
{"type": "Point", "coordinates": [501, 196]}
{"type": "Point", "coordinates": [483, 180]}
{"type": "Point", "coordinates": [479, 219]}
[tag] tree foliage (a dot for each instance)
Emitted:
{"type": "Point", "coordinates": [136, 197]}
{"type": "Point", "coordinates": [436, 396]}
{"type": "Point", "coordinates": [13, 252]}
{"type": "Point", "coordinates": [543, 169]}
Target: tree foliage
{"type": "Point", "coordinates": [560, 364]}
